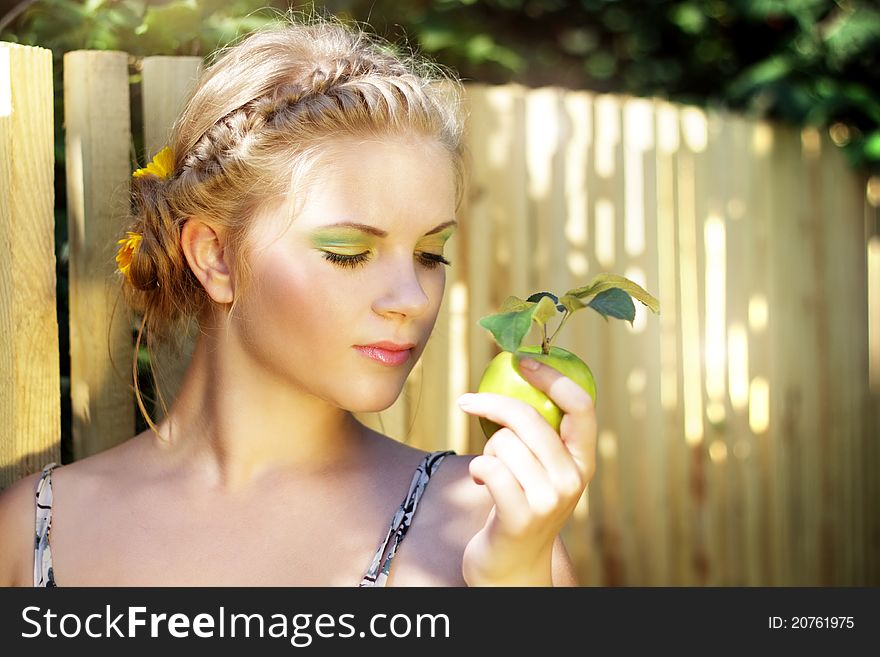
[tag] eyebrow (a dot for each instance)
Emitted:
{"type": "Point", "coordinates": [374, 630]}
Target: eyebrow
{"type": "Point", "coordinates": [381, 233]}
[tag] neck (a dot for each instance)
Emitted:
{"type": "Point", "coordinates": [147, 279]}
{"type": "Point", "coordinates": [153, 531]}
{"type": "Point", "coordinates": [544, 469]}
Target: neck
{"type": "Point", "coordinates": [232, 422]}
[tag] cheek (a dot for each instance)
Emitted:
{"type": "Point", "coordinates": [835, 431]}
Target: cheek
{"type": "Point", "coordinates": [283, 306]}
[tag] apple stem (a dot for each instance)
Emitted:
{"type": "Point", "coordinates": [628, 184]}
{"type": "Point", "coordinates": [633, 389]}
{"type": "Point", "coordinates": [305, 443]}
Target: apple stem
{"type": "Point", "coordinates": [553, 337]}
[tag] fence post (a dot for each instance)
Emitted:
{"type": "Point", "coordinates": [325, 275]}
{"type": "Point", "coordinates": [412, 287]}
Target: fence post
{"type": "Point", "coordinates": [97, 143]}
{"type": "Point", "coordinates": [29, 388]}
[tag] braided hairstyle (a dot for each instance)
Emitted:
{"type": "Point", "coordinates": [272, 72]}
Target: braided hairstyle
{"type": "Point", "coordinates": [253, 126]}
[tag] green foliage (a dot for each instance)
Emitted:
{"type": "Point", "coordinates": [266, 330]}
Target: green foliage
{"type": "Point", "coordinates": [809, 62]}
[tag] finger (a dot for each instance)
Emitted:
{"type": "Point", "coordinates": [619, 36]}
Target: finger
{"type": "Point", "coordinates": [583, 447]}
{"type": "Point", "coordinates": [528, 471]}
{"type": "Point", "coordinates": [511, 505]}
{"type": "Point", "coordinates": [531, 427]}
{"type": "Point", "coordinates": [578, 428]}
{"type": "Point", "coordinates": [564, 392]}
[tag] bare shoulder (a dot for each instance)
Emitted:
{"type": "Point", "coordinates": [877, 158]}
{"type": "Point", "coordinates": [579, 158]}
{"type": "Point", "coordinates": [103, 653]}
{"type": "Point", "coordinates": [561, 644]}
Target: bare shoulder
{"type": "Point", "coordinates": [17, 528]}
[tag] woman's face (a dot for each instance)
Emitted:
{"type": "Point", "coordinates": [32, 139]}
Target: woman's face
{"type": "Point", "coordinates": [320, 290]}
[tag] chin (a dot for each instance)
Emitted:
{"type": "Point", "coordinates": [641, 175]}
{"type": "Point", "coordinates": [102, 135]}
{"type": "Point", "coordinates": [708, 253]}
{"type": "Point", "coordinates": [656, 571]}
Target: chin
{"type": "Point", "coordinates": [372, 400]}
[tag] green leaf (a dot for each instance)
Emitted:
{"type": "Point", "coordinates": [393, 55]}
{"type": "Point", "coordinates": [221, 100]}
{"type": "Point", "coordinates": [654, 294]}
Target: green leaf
{"type": "Point", "coordinates": [545, 310]}
{"type": "Point", "coordinates": [852, 35]}
{"type": "Point", "coordinates": [515, 304]}
{"type": "Point", "coordinates": [571, 303]}
{"type": "Point", "coordinates": [510, 328]}
{"type": "Point", "coordinates": [872, 145]}
{"type": "Point", "coordinates": [603, 282]}
{"type": "Point", "coordinates": [538, 295]}
{"type": "Point", "coordinates": [614, 303]}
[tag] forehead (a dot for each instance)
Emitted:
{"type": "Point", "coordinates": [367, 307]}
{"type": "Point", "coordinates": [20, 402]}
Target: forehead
{"type": "Point", "coordinates": [404, 186]}
{"type": "Point", "coordinates": [377, 181]}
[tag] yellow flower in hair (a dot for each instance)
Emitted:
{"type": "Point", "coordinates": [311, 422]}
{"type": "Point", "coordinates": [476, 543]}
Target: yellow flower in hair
{"type": "Point", "coordinates": [129, 246]}
{"type": "Point", "coordinates": [162, 165]}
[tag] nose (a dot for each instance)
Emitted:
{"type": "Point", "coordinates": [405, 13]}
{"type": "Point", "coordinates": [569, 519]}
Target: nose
{"type": "Point", "coordinates": [404, 294]}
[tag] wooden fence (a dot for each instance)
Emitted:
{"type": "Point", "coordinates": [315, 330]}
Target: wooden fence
{"type": "Point", "coordinates": [738, 430]}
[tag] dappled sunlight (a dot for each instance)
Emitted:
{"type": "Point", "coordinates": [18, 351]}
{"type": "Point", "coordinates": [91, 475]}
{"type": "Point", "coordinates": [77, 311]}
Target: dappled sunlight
{"type": "Point", "coordinates": [638, 139]}
{"type": "Point", "coordinates": [716, 306]}
{"type": "Point", "coordinates": [758, 313]}
{"type": "Point", "coordinates": [715, 411]}
{"type": "Point", "coordinates": [667, 128]}
{"type": "Point", "coordinates": [811, 143]}
{"type": "Point", "coordinates": [738, 365]}
{"type": "Point", "coordinates": [543, 139]}
{"type": "Point", "coordinates": [578, 112]}
{"type": "Point", "coordinates": [872, 192]}
{"type": "Point", "coordinates": [718, 452]}
{"type": "Point", "coordinates": [690, 303]}
{"type": "Point", "coordinates": [667, 145]}
{"type": "Point", "coordinates": [605, 218]}
{"type": "Point", "coordinates": [759, 405]}
{"type": "Point", "coordinates": [501, 101]}
{"type": "Point", "coordinates": [607, 135]}
{"type": "Point", "coordinates": [695, 129]}
{"type": "Point", "coordinates": [578, 265]}
{"type": "Point", "coordinates": [762, 139]}
{"type": "Point", "coordinates": [607, 445]}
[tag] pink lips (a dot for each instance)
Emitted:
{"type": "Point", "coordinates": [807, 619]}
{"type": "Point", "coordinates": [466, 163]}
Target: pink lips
{"type": "Point", "coordinates": [386, 356]}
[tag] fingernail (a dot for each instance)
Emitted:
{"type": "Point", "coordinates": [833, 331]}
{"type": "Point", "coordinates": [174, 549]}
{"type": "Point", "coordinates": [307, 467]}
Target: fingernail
{"type": "Point", "coordinates": [529, 364]}
{"type": "Point", "coordinates": [465, 400]}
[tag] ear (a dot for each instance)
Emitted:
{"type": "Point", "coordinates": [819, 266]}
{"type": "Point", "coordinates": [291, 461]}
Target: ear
{"type": "Point", "coordinates": [204, 250]}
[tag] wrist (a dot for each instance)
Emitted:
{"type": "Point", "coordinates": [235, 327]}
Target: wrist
{"type": "Point", "coordinates": [538, 574]}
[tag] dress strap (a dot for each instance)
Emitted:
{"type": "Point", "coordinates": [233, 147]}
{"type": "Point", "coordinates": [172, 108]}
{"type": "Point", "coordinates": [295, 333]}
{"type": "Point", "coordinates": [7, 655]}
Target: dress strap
{"type": "Point", "coordinates": [44, 575]}
{"type": "Point", "coordinates": [402, 519]}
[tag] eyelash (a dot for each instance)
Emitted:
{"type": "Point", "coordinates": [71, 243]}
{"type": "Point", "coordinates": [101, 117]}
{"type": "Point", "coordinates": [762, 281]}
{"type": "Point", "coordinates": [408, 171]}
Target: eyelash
{"type": "Point", "coordinates": [429, 260]}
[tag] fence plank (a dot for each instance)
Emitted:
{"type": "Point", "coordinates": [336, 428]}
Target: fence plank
{"type": "Point", "coordinates": [755, 254]}
{"type": "Point", "coordinates": [643, 378]}
{"type": "Point", "coordinates": [614, 513]}
{"type": "Point", "coordinates": [671, 428]}
{"type": "Point", "coordinates": [845, 292]}
{"type": "Point", "coordinates": [97, 143]}
{"type": "Point", "coordinates": [581, 537]}
{"type": "Point", "coordinates": [691, 189]}
{"type": "Point", "coordinates": [29, 388]}
{"type": "Point", "coordinates": [870, 492]}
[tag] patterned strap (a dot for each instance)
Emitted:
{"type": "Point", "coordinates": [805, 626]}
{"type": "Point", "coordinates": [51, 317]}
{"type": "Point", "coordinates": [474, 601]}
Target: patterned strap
{"type": "Point", "coordinates": [44, 575]}
{"type": "Point", "coordinates": [403, 519]}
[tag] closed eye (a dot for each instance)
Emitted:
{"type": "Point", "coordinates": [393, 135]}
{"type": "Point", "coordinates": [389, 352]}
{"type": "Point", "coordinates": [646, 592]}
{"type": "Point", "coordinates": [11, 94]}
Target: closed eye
{"type": "Point", "coordinates": [428, 260]}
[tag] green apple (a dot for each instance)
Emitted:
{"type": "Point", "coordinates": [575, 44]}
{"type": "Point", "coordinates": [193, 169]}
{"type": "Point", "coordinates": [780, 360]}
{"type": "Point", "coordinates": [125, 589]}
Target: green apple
{"type": "Point", "coordinates": [502, 377]}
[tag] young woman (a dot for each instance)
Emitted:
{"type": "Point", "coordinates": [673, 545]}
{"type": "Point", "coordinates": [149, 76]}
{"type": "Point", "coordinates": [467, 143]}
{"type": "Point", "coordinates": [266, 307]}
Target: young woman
{"type": "Point", "coordinates": [300, 214]}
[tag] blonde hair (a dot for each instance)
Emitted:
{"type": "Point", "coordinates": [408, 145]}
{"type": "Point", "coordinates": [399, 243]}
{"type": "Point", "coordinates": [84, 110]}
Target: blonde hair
{"type": "Point", "coordinates": [254, 124]}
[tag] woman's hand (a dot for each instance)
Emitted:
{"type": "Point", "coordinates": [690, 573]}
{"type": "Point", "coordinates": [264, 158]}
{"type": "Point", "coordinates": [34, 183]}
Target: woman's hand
{"type": "Point", "coordinates": [535, 477]}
